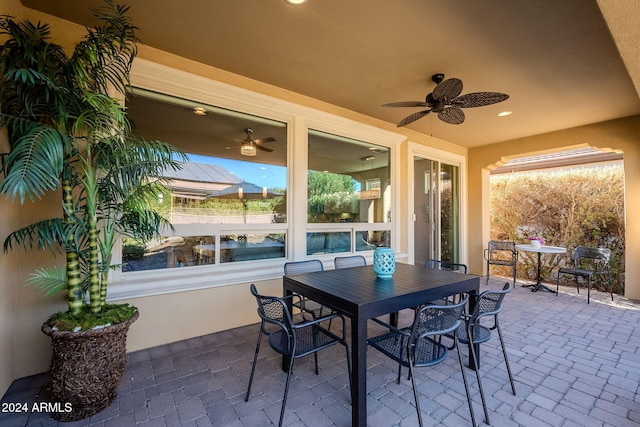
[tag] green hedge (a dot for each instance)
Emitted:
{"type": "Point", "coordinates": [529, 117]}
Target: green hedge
{"type": "Point", "coordinates": [568, 208]}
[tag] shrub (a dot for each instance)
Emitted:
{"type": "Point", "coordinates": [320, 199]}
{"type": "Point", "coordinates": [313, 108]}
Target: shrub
{"type": "Point", "coordinates": [568, 208]}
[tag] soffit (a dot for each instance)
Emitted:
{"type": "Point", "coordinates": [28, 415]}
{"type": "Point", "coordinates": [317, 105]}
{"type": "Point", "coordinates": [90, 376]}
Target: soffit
{"type": "Point", "coordinates": [556, 59]}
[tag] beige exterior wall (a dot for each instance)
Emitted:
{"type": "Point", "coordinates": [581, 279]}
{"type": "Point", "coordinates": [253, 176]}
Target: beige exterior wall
{"type": "Point", "coordinates": [622, 135]}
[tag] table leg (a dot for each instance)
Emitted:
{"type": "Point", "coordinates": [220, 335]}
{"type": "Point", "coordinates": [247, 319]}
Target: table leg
{"type": "Point", "coordinates": [359, 372]}
{"type": "Point", "coordinates": [474, 363]}
{"type": "Point", "coordinates": [538, 285]}
{"type": "Point", "coordinates": [286, 360]}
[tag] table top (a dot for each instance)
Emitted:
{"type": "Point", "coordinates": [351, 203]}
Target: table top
{"type": "Point", "coordinates": [542, 249]}
{"type": "Point", "coordinates": [358, 292]}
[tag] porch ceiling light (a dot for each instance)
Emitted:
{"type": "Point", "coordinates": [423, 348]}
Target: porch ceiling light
{"type": "Point", "coordinates": [248, 149]}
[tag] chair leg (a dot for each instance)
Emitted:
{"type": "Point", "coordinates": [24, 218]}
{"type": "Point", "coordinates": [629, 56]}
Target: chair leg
{"type": "Point", "coordinates": [515, 273]}
{"type": "Point", "coordinates": [588, 288]}
{"type": "Point", "coordinates": [506, 359]}
{"type": "Point", "coordinates": [253, 367]}
{"type": "Point", "coordinates": [286, 391]}
{"type": "Point", "coordinates": [466, 387]}
{"type": "Point", "coordinates": [415, 390]}
{"type": "Point", "coordinates": [558, 284]}
{"type": "Point", "coordinates": [488, 266]}
{"type": "Point", "coordinates": [473, 356]}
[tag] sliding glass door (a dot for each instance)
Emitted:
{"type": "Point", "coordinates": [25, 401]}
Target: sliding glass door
{"type": "Point", "coordinates": [436, 211]}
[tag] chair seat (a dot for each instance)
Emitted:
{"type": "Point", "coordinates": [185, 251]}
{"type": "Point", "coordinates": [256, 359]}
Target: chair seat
{"type": "Point", "coordinates": [577, 271]}
{"type": "Point", "coordinates": [394, 345]}
{"type": "Point", "coordinates": [316, 310]}
{"type": "Point", "coordinates": [501, 262]}
{"type": "Point", "coordinates": [482, 334]}
{"type": "Point", "coordinates": [309, 340]}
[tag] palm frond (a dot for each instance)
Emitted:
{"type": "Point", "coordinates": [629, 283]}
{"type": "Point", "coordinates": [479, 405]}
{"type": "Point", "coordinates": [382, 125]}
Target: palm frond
{"type": "Point", "coordinates": [51, 281]}
{"type": "Point", "coordinates": [34, 165]}
{"type": "Point", "coordinates": [46, 234]}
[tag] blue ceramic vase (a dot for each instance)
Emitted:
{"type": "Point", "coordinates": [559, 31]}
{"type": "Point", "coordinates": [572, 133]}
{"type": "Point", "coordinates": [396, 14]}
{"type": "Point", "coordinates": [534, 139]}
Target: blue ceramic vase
{"type": "Point", "coordinates": [384, 262]}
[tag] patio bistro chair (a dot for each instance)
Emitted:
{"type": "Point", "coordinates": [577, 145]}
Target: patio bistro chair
{"type": "Point", "coordinates": [446, 265]}
{"type": "Point", "coordinates": [502, 253]}
{"type": "Point", "coordinates": [588, 262]}
{"type": "Point", "coordinates": [306, 305]}
{"type": "Point", "coordinates": [294, 340]}
{"type": "Point", "coordinates": [450, 266]}
{"type": "Point", "coordinates": [489, 305]}
{"type": "Point", "coordinates": [349, 261]}
{"type": "Point", "coordinates": [418, 345]}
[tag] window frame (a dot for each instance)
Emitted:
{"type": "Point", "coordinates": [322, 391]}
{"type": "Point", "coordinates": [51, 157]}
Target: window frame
{"type": "Point", "coordinates": [162, 79]}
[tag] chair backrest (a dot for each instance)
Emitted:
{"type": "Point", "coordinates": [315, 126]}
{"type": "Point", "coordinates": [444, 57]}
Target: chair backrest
{"type": "Point", "coordinates": [273, 310]}
{"type": "Point", "coordinates": [594, 258]}
{"type": "Point", "coordinates": [349, 261]}
{"type": "Point", "coordinates": [502, 252]}
{"type": "Point", "coordinates": [437, 319]}
{"type": "Point", "coordinates": [446, 265]}
{"type": "Point", "coordinates": [299, 267]}
{"type": "Point", "coordinates": [489, 302]}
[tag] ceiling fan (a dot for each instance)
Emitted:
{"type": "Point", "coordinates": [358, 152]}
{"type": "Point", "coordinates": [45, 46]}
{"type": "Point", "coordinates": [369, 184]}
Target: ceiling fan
{"type": "Point", "coordinates": [249, 146]}
{"type": "Point", "coordinates": [447, 101]}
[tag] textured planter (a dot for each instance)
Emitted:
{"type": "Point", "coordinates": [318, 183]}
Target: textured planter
{"type": "Point", "coordinates": [86, 368]}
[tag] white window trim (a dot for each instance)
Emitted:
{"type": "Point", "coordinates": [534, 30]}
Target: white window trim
{"type": "Point", "coordinates": [170, 81]}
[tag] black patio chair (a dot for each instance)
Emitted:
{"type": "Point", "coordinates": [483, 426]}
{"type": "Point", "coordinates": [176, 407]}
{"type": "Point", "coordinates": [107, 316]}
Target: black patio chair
{"type": "Point", "coordinates": [450, 266]}
{"type": "Point", "coordinates": [304, 304]}
{"type": "Point", "coordinates": [503, 253]}
{"type": "Point", "coordinates": [488, 305]}
{"type": "Point", "coordinates": [446, 265]}
{"type": "Point", "coordinates": [419, 346]}
{"type": "Point", "coordinates": [294, 340]}
{"type": "Point", "coordinates": [588, 262]}
{"type": "Point", "coordinates": [349, 261]}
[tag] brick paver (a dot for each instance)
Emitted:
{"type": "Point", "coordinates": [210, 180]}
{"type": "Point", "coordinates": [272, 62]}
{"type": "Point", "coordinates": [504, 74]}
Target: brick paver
{"type": "Point", "coordinates": [574, 365]}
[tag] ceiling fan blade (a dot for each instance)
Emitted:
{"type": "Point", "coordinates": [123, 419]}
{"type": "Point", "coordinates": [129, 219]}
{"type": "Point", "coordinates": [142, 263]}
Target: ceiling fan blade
{"type": "Point", "coordinates": [479, 99]}
{"type": "Point", "coordinates": [263, 140]}
{"type": "Point", "coordinates": [413, 117]}
{"type": "Point", "coordinates": [447, 90]}
{"type": "Point", "coordinates": [406, 104]}
{"type": "Point", "coordinates": [452, 115]}
{"type": "Point", "coordinates": [263, 148]}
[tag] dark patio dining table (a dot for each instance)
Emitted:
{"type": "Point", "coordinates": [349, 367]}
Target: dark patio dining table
{"type": "Point", "coordinates": [360, 295]}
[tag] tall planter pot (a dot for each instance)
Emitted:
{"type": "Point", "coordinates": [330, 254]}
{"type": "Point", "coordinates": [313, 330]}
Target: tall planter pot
{"type": "Point", "coordinates": [86, 368]}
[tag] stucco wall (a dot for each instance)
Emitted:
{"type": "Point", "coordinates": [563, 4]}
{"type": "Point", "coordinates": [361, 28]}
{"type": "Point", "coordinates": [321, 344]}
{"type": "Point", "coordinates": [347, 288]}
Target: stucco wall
{"type": "Point", "coordinates": [621, 135]}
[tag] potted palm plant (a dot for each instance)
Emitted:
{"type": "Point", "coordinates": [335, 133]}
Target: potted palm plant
{"type": "Point", "coordinates": [68, 134]}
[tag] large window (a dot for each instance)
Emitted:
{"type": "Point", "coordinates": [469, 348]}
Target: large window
{"type": "Point", "coordinates": [228, 203]}
{"type": "Point", "coordinates": [349, 193]}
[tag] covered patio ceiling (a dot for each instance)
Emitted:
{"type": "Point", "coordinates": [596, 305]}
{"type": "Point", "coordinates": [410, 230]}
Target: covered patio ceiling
{"type": "Point", "coordinates": [561, 62]}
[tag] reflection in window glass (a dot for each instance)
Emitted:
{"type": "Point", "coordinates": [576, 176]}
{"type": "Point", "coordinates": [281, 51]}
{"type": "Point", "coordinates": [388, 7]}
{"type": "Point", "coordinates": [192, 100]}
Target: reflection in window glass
{"type": "Point", "coordinates": [247, 247]}
{"type": "Point", "coordinates": [237, 169]}
{"type": "Point", "coordinates": [328, 243]}
{"type": "Point", "coordinates": [369, 240]}
{"type": "Point", "coordinates": [236, 174]}
{"type": "Point", "coordinates": [347, 180]}
{"type": "Point", "coordinates": [169, 252]}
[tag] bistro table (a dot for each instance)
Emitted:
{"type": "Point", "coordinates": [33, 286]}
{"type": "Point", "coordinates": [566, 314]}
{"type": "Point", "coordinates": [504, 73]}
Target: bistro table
{"type": "Point", "coordinates": [359, 294]}
{"type": "Point", "coordinates": [541, 250]}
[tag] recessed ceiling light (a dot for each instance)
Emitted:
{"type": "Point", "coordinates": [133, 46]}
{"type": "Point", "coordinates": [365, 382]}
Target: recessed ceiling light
{"type": "Point", "coordinates": [504, 113]}
{"type": "Point", "coordinates": [296, 1]}
{"type": "Point", "coordinates": [200, 111]}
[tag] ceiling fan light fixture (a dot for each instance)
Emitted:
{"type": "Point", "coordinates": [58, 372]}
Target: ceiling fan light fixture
{"type": "Point", "coordinates": [504, 113]}
{"type": "Point", "coordinates": [296, 2]}
{"type": "Point", "coordinates": [248, 149]}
